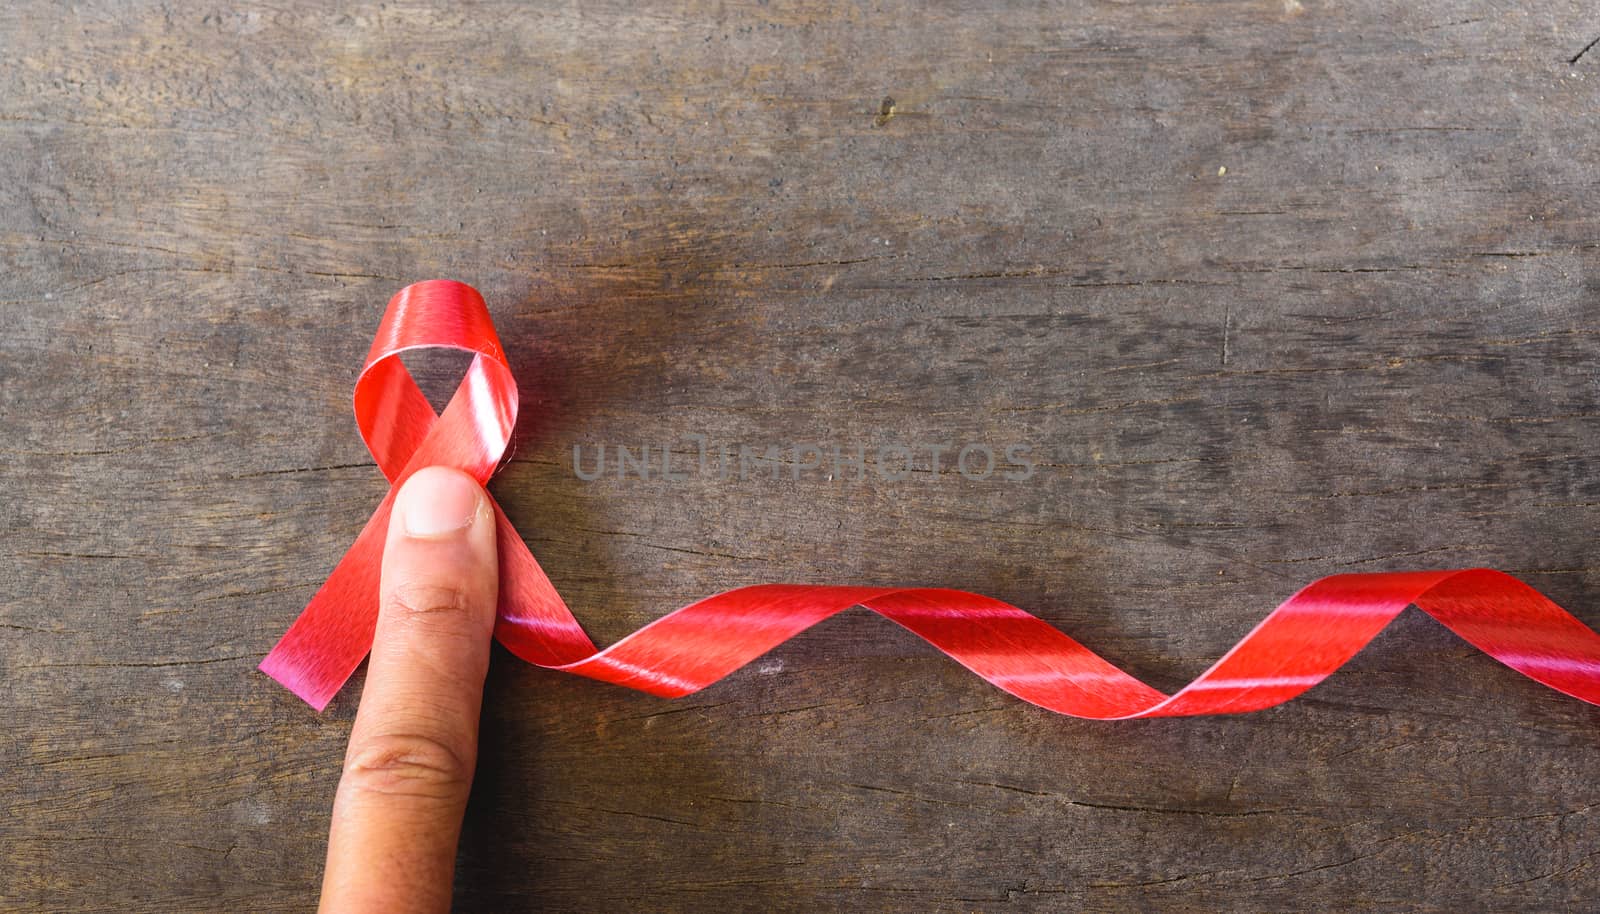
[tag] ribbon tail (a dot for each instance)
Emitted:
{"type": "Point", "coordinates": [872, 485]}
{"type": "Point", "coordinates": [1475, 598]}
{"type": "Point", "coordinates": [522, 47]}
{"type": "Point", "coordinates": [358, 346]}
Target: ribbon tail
{"type": "Point", "coordinates": [1302, 642]}
{"type": "Point", "coordinates": [323, 647]}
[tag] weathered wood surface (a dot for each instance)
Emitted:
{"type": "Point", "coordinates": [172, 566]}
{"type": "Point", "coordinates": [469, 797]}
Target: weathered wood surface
{"type": "Point", "coordinates": [1369, 343]}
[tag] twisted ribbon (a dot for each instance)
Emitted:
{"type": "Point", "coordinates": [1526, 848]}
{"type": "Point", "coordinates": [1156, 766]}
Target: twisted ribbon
{"type": "Point", "coordinates": [1299, 644]}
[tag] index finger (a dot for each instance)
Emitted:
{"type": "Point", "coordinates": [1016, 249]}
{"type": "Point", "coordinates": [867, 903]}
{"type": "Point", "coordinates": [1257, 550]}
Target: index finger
{"type": "Point", "coordinates": [408, 769]}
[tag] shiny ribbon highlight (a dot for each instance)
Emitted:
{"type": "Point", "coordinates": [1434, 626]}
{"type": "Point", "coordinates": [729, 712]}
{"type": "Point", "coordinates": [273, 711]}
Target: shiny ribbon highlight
{"type": "Point", "coordinates": [1299, 644]}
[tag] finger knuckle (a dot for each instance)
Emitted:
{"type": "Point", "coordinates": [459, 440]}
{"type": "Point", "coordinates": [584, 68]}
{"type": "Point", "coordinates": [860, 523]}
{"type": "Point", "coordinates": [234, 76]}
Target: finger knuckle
{"type": "Point", "coordinates": [424, 598]}
{"type": "Point", "coordinates": [408, 765]}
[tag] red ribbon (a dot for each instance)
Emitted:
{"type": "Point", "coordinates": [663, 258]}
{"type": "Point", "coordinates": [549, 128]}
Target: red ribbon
{"type": "Point", "coordinates": [1295, 647]}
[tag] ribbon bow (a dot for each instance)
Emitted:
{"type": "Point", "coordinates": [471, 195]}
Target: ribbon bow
{"type": "Point", "coordinates": [1299, 644]}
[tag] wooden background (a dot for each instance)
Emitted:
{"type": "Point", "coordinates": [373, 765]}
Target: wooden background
{"type": "Point", "coordinates": [1275, 290]}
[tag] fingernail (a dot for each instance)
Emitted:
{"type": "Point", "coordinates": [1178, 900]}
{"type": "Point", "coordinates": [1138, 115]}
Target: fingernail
{"type": "Point", "coordinates": [437, 502]}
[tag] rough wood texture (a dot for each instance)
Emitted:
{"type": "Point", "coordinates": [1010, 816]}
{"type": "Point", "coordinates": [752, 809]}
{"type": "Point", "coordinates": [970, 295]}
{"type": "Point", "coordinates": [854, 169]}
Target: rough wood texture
{"type": "Point", "coordinates": [1274, 289]}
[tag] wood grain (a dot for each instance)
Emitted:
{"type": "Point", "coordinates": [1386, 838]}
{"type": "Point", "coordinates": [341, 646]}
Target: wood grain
{"type": "Point", "coordinates": [1273, 289]}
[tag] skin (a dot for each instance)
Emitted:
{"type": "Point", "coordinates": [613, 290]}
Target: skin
{"type": "Point", "coordinates": [408, 769]}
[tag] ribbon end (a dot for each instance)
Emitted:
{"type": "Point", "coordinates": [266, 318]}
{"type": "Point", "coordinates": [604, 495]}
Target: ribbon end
{"type": "Point", "coordinates": [304, 687]}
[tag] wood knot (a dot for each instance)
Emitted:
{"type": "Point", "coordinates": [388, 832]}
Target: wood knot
{"type": "Point", "coordinates": [885, 112]}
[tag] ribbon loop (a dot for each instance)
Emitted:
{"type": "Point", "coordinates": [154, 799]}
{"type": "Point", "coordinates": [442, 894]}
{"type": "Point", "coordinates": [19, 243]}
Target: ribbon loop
{"type": "Point", "coordinates": [1295, 647]}
{"type": "Point", "coordinates": [396, 419]}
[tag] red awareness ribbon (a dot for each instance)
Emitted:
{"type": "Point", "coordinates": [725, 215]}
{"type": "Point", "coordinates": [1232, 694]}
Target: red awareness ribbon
{"type": "Point", "coordinates": [1299, 644]}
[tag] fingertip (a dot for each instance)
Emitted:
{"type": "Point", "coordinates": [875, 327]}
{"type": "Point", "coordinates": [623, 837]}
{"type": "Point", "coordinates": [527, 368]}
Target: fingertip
{"type": "Point", "coordinates": [440, 558]}
{"type": "Point", "coordinates": [438, 503]}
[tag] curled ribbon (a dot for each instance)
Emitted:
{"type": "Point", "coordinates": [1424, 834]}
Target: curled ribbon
{"type": "Point", "coordinates": [1299, 644]}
